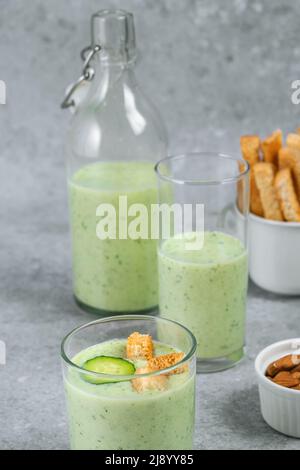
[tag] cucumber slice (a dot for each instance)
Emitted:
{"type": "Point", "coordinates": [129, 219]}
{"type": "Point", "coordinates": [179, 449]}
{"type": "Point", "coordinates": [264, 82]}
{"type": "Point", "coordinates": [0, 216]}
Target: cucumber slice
{"type": "Point", "coordinates": [107, 365]}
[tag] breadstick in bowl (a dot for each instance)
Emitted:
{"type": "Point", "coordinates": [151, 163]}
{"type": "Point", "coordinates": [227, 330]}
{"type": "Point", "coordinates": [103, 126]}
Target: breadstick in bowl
{"type": "Point", "coordinates": [250, 147]}
{"type": "Point", "coordinates": [293, 141]}
{"type": "Point", "coordinates": [271, 146]}
{"type": "Point", "coordinates": [290, 158]}
{"type": "Point", "coordinates": [287, 195]}
{"type": "Point", "coordinates": [264, 174]}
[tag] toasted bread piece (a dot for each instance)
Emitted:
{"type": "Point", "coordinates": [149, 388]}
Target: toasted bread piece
{"type": "Point", "coordinates": [287, 195]}
{"type": "Point", "coordinates": [293, 141]}
{"type": "Point", "coordinates": [296, 173]}
{"type": "Point", "coordinates": [255, 201]}
{"type": "Point", "coordinates": [290, 158]}
{"type": "Point", "coordinates": [167, 360]}
{"type": "Point", "coordinates": [264, 178]}
{"type": "Point", "coordinates": [240, 196]}
{"type": "Point", "coordinates": [240, 188]}
{"type": "Point", "coordinates": [271, 146]}
{"type": "Point", "coordinates": [250, 147]}
{"type": "Point", "coordinates": [139, 346]}
{"type": "Point", "coordinates": [156, 382]}
{"type": "Point", "coordinates": [286, 157]}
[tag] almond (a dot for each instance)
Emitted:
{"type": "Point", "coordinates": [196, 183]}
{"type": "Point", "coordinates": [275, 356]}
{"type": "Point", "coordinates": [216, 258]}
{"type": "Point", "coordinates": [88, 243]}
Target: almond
{"type": "Point", "coordinates": [283, 364]}
{"type": "Point", "coordinates": [295, 375]}
{"type": "Point", "coordinates": [296, 359]}
{"type": "Point", "coordinates": [296, 369]}
{"type": "Point", "coordinates": [285, 379]}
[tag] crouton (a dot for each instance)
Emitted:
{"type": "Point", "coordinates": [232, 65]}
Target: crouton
{"type": "Point", "coordinates": [241, 193]}
{"type": "Point", "coordinates": [264, 178]}
{"type": "Point", "coordinates": [250, 147]}
{"type": "Point", "coordinates": [271, 146]}
{"type": "Point", "coordinates": [167, 360]}
{"type": "Point", "coordinates": [293, 141]}
{"type": "Point", "coordinates": [143, 384]}
{"type": "Point", "coordinates": [287, 195]}
{"type": "Point", "coordinates": [290, 158]}
{"type": "Point", "coordinates": [255, 201]}
{"type": "Point", "coordinates": [139, 346]}
{"type": "Point", "coordinates": [286, 157]}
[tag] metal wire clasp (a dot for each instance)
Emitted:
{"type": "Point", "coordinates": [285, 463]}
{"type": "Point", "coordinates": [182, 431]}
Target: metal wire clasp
{"type": "Point", "coordinates": [88, 74]}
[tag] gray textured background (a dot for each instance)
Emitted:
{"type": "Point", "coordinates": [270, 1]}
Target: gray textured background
{"type": "Point", "coordinates": [216, 69]}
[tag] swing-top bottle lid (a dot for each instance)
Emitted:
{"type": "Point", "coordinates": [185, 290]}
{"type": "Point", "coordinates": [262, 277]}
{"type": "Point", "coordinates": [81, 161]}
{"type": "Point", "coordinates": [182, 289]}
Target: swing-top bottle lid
{"type": "Point", "coordinates": [113, 30]}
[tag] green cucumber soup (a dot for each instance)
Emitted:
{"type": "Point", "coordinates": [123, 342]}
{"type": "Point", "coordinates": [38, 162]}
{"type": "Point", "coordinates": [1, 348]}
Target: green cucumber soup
{"type": "Point", "coordinates": [206, 291]}
{"type": "Point", "coordinates": [113, 275]}
{"type": "Point", "coordinates": [114, 416]}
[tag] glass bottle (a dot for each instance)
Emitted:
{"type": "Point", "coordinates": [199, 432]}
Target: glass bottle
{"type": "Point", "coordinates": [116, 137]}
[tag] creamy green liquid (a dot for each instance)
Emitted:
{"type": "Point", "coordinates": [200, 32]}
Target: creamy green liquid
{"type": "Point", "coordinates": [115, 417]}
{"type": "Point", "coordinates": [112, 275]}
{"type": "Point", "coordinates": [206, 291]}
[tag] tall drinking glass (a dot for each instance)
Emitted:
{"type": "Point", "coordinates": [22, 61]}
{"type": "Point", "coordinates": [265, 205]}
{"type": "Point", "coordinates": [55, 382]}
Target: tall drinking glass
{"type": "Point", "coordinates": [116, 404]}
{"type": "Point", "coordinates": [203, 269]}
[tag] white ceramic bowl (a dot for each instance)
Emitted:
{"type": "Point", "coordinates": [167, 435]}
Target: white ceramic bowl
{"type": "Point", "coordinates": [274, 255]}
{"type": "Point", "coordinates": [280, 406]}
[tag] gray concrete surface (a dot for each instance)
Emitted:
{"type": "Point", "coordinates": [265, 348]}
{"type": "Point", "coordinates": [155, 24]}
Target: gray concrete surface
{"type": "Point", "coordinates": [216, 69]}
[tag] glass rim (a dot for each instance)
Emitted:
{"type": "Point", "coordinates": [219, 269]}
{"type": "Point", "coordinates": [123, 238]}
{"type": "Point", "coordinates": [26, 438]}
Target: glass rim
{"type": "Point", "coordinates": [103, 12]}
{"type": "Point", "coordinates": [202, 182]}
{"type": "Point", "coordinates": [121, 378]}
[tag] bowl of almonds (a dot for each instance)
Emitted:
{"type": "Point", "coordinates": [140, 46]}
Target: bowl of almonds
{"type": "Point", "coordinates": [274, 221]}
{"type": "Point", "coordinates": [278, 372]}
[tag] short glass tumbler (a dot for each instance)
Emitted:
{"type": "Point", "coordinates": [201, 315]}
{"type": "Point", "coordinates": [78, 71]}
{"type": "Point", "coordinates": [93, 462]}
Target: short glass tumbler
{"type": "Point", "coordinates": [114, 415]}
{"type": "Point", "coordinates": [203, 261]}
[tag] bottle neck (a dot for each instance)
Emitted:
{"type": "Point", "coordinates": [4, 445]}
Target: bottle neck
{"type": "Point", "coordinates": [114, 63]}
{"type": "Point", "coordinates": [110, 77]}
{"type": "Point", "coordinates": [113, 30]}
{"type": "Point", "coordinates": [110, 57]}
{"type": "Point", "coordinates": [112, 72]}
